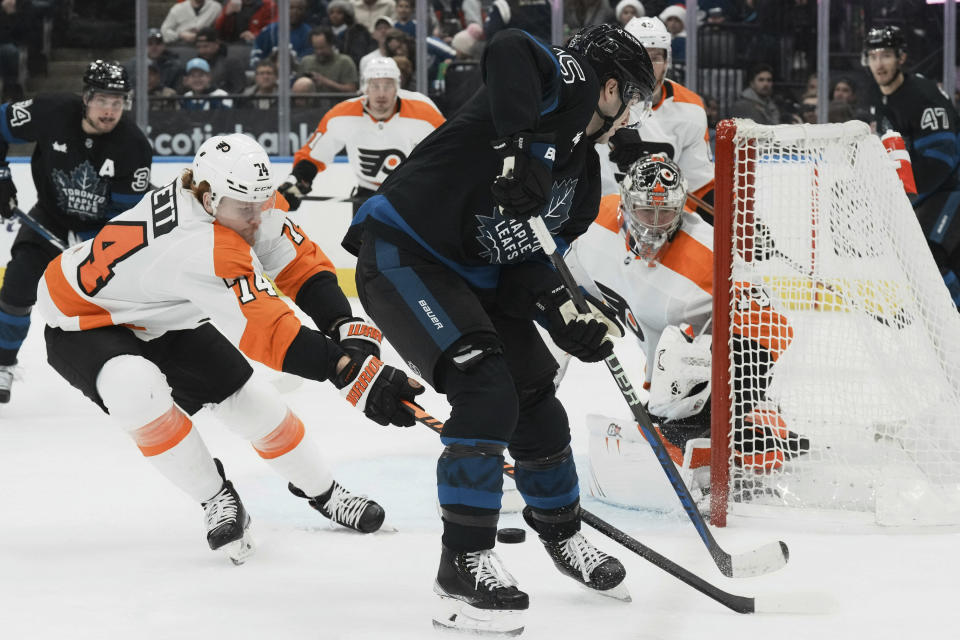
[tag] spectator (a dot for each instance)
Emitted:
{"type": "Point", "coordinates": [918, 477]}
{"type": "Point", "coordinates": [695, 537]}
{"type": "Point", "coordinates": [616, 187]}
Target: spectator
{"type": "Point", "coordinates": [380, 29]}
{"type": "Point", "coordinates": [168, 62]}
{"type": "Point", "coordinates": [627, 9]}
{"type": "Point", "coordinates": [840, 111]}
{"type": "Point", "coordinates": [303, 85]}
{"type": "Point", "coordinates": [473, 11]}
{"type": "Point", "coordinates": [226, 73]}
{"type": "Point", "coordinates": [756, 100]}
{"type": "Point", "coordinates": [808, 108]}
{"type": "Point", "coordinates": [581, 13]}
{"type": "Point", "coordinates": [265, 43]}
{"type": "Point", "coordinates": [264, 84]}
{"type": "Point", "coordinates": [467, 45]}
{"type": "Point", "coordinates": [14, 21]}
{"type": "Point", "coordinates": [403, 19]}
{"type": "Point", "coordinates": [533, 16]}
{"type": "Point", "coordinates": [330, 70]}
{"type": "Point", "coordinates": [242, 20]}
{"type": "Point", "coordinates": [845, 90]}
{"type": "Point", "coordinates": [366, 12]}
{"type": "Point", "coordinates": [157, 89]}
{"type": "Point", "coordinates": [407, 81]}
{"type": "Point", "coordinates": [398, 43]}
{"type": "Point", "coordinates": [198, 82]}
{"type": "Point", "coordinates": [185, 19]}
{"type": "Point", "coordinates": [673, 17]}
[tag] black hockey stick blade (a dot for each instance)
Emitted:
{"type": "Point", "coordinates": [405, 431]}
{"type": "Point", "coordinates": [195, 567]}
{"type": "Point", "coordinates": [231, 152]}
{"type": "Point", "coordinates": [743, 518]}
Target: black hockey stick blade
{"type": "Point", "coordinates": [740, 604]}
{"type": "Point", "coordinates": [770, 557]}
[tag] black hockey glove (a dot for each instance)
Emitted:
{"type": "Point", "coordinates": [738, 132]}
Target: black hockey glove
{"type": "Point", "coordinates": [298, 183]}
{"type": "Point", "coordinates": [584, 336]}
{"type": "Point", "coordinates": [526, 182]}
{"type": "Point", "coordinates": [626, 147]}
{"type": "Point", "coordinates": [8, 192]}
{"type": "Point", "coordinates": [378, 390]}
{"type": "Point", "coordinates": [358, 337]}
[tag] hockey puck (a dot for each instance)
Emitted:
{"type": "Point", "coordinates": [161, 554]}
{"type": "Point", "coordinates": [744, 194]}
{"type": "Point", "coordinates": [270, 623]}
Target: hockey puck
{"type": "Point", "coordinates": [511, 535]}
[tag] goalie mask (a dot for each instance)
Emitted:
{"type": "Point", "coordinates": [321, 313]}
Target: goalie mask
{"type": "Point", "coordinates": [652, 195]}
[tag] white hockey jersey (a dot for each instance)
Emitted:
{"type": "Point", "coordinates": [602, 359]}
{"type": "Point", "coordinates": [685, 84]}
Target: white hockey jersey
{"type": "Point", "coordinates": [374, 147]}
{"type": "Point", "coordinates": [166, 264]}
{"type": "Point", "coordinates": [648, 297]}
{"type": "Point", "coordinates": [677, 128]}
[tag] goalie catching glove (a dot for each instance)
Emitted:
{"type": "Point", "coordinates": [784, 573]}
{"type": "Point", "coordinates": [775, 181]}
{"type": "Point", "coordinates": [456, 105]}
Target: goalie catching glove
{"type": "Point", "coordinates": [680, 386]}
{"type": "Point", "coordinates": [298, 183]}
{"type": "Point", "coordinates": [585, 336]}
{"type": "Point", "coordinates": [378, 390]}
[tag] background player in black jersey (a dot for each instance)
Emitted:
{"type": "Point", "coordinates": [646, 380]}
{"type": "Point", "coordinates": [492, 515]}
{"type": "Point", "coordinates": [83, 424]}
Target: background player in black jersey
{"type": "Point", "coordinates": [916, 108]}
{"type": "Point", "coordinates": [449, 268]}
{"type": "Point", "coordinates": [90, 163]}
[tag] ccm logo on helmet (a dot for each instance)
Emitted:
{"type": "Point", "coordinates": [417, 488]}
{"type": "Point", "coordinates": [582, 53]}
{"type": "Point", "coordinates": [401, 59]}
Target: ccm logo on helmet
{"type": "Point", "coordinates": [363, 380]}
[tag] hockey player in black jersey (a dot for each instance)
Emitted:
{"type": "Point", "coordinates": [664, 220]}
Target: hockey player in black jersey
{"type": "Point", "coordinates": [90, 163]}
{"type": "Point", "coordinates": [916, 108]}
{"type": "Point", "coordinates": [450, 269]}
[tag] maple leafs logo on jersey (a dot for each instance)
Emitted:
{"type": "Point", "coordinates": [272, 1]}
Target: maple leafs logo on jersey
{"type": "Point", "coordinates": [81, 192]}
{"type": "Point", "coordinates": [506, 240]}
{"type": "Point", "coordinates": [376, 161]}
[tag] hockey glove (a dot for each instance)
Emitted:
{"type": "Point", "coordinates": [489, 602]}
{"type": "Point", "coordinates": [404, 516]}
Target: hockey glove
{"type": "Point", "coordinates": [378, 390]}
{"type": "Point", "coordinates": [626, 147]}
{"type": "Point", "coordinates": [298, 183]}
{"type": "Point", "coordinates": [583, 335]}
{"type": "Point", "coordinates": [526, 182]}
{"type": "Point", "coordinates": [358, 337]}
{"type": "Point", "coordinates": [8, 192]}
{"type": "Point", "coordinates": [680, 386]}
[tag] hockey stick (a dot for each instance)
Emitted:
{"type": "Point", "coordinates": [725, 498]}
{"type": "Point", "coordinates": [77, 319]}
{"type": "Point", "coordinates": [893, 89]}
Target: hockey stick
{"type": "Point", "coordinates": [34, 224]}
{"type": "Point", "coordinates": [765, 559]}
{"type": "Point", "coordinates": [740, 604]}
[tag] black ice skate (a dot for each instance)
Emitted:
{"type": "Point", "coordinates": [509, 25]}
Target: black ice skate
{"type": "Point", "coordinates": [478, 595]}
{"type": "Point", "coordinates": [576, 557]}
{"type": "Point", "coordinates": [339, 505]}
{"type": "Point", "coordinates": [228, 522]}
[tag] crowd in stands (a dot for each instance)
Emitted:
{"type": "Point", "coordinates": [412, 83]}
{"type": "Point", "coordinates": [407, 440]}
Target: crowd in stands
{"type": "Point", "coordinates": [205, 49]}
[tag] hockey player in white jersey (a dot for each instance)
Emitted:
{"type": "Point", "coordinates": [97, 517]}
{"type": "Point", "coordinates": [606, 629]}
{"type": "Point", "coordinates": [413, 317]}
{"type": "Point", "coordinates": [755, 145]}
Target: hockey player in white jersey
{"type": "Point", "coordinates": [653, 262]}
{"type": "Point", "coordinates": [379, 130]}
{"type": "Point", "coordinates": [143, 319]}
{"type": "Point", "coordinates": [676, 126]}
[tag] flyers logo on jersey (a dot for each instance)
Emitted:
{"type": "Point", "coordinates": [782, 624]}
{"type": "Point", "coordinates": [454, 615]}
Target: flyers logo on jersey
{"type": "Point", "coordinates": [375, 161]}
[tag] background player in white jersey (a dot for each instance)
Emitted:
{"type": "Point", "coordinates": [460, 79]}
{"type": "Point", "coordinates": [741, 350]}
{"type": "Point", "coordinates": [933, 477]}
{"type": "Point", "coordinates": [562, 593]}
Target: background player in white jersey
{"type": "Point", "coordinates": [653, 262]}
{"type": "Point", "coordinates": [676, 128]}
{"type": "Point", "coordinates": [90, 163]}
{"type": "Point", "coordinates": [130, 318]}
{"type": "Point", "coordinates": [379, 130]}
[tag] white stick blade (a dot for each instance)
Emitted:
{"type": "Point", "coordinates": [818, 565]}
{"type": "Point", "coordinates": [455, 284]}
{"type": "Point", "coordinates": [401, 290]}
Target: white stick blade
{"type": "Point", "coordinates": [766, 559]}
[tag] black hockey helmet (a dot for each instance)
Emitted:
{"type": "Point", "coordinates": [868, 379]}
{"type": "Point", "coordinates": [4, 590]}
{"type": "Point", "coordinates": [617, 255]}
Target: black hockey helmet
{"type": "Point", "coordinates": [106, 76]}
{"type": "Point", "coordinates": [614, 53]}
{"type": "Point", "coordinates": [888, 37]}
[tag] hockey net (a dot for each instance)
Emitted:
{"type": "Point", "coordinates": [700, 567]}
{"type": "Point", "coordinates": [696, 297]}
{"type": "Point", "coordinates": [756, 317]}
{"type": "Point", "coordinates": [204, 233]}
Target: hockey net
{"type": "Point", "coordinates": [831, 320]}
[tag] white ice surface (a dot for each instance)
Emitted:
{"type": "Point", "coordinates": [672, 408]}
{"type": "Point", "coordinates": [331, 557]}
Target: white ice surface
{"type": "Point", "coordinates": [95, 544]}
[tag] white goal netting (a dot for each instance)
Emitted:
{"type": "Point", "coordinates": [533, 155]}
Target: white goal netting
{"type": "Point", "coordinates": [841, 342]}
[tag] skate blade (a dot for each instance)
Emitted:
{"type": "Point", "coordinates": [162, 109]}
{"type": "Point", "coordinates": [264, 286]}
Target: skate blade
{"type": "Point", "coordinates": [459, 617]}
{"type": "Point", "coordinates": [240, 550]}
{"type": "Point", "coordinates": [619, 592]}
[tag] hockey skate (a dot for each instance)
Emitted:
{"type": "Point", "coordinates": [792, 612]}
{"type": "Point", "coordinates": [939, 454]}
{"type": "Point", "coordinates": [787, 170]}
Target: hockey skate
{"type": "Point", "coordinates": [6, 381]}
{"type": "Point", "coordinates": [478, 595]}
{"type": "Point", "coordinates": [228, 522]}
{"type": "Point", "coordinates": [339, 505]}
{"type": "Point", "coordinates": [576, 557]}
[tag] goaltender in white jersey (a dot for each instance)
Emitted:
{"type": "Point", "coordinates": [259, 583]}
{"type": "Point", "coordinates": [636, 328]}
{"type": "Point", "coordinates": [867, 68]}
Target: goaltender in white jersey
{"type": "Point", "coordinates": [653, 262]}
{"type": "Point", "coordinates": [379, 130]}
{"type": "Point", "coordinates": [131, 315]}
{"type": "Point", "coordinates": [676, 127]}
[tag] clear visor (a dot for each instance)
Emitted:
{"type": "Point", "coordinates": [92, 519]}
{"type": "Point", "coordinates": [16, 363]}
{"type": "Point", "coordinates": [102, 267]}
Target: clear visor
{"type": "Point", "coordinates": [649, 228]}
{"type": "Point", "coordinates": [638, 101]}
{"type": "Point", "coordinates": [233, 212]}
{"type": "Point", "coordinates": [108, 101]}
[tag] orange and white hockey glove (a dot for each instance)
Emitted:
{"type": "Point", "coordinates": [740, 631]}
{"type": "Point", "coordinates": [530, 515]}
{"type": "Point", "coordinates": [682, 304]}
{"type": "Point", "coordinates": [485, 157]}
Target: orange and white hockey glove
{"type": "Point", "coordinates": [378, 390]}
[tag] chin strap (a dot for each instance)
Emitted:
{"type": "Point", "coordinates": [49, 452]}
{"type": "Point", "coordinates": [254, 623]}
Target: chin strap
{"type": "Point", "coordinates": [607, 121]}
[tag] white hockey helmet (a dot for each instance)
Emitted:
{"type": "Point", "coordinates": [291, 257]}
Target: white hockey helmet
{"type": "Point", "coordinates": [235, 166]}
{"type": "Point", "coordinates": [380, 68]}
{"type": "Point", "coordinates": [651, 32]}
{"type": "Point", "coordinates": [652, 195]}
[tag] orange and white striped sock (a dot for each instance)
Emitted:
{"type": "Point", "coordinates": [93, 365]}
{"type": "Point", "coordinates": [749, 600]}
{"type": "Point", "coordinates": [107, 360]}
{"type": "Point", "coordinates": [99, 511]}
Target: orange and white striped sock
{"type": "Point", "coordinates": [290, 451]}
{"type": "Point", "coordinates": [177, 451]}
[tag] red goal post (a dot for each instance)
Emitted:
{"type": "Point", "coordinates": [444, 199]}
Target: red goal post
{"type": "Point", "coordinates": [836, 346]}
